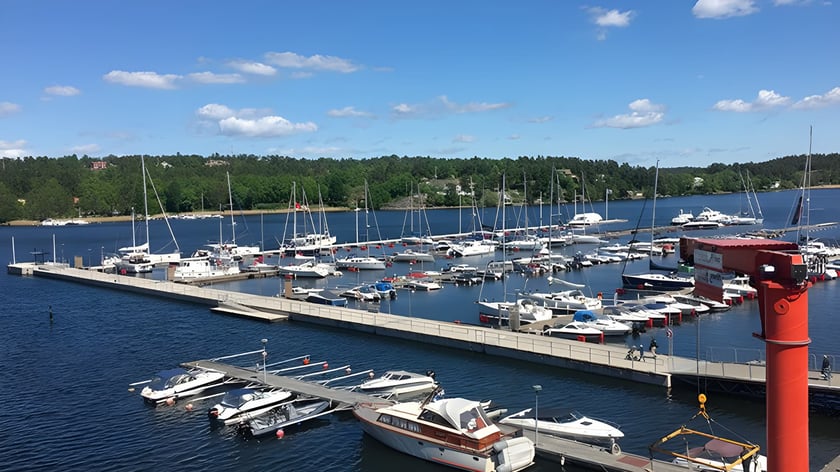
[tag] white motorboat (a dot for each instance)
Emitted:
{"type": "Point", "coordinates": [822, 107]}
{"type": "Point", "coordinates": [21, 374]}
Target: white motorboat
{"type": "Point", "coordinates": [528, 311]}
{"type": "Point", "coordinates": [396, 383]}
{"type": "Point", "coordinates": [689, 309]}
{"type": "Point", "coordinates": [656, 315]}
{"type": "Point", "coordinates": [309, 269]}
{"type": "Point", "coordinates": [621, 314]}
{"type": "Point", "coordinates": [701, 224]}
{"type": "Point", "coordinates": [568, 423]}
{"type": "Point", "coordinates": [362, 293]}
{"type": "Point", "coordinates": [471, 248]}
{"type": "Point", "coordinates": [585, 219]}
{"type": "Point", "coordinates": [288, 414]}
{"type": "Point", "coordinates": [565, 302]}
{"type": "Point", "coordinates": [412, 256]}
{"type": "Point", "coordinates": [713, 305]}
{"type": "Point", "coordinates": [238, 403]}
{"type": "Point", "coordinates": [360, 263]}
{"type": "Point", "coordinates": [453, 432]}
{"type": "Point", "coordinates": [204, 267]}
{"type": "Point", "coordinates": [422, 285]}
{"type": "Point", "coordinates": [174, 384]}
{"type": "Point", "coordinates": [740, 285]}
{"type": "Point", "coordinates": [602, 323]}
{"type": "Point", "coordinates": [682, 218]}
{"type": "Point", "coordinates": [575, 330]}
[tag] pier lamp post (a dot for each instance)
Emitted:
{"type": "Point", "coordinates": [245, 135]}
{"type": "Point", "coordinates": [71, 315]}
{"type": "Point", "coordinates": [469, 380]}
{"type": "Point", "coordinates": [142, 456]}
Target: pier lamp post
{"type": "Point", "coordinates": [264, 356]}
{"type": "Point", "coordinates": [537, 389]}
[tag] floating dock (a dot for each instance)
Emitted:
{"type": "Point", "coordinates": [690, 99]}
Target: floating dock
{"type": "Point", "coordinates": [599, 359]}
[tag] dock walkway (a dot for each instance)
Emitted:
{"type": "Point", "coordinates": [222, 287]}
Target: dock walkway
{"type": "Point", "coordinates": [599, 359]}
{"type": "Point", "coordinates": [343, 397]}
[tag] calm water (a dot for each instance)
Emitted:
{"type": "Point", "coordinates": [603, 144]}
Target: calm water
{"type": "Point", "coordinates": [66, 382]}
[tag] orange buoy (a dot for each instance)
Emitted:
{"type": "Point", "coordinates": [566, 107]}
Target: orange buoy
{"type": "Point", "coordinates": [280, 434]}
{"type": "Point", "coordinates": [170, 401]}
{"type": "Point", "coordinates": [305, 361]}
{"type": "Point", "coordinates": [326, 366]}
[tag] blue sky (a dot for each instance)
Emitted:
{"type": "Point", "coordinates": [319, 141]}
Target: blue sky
{"type": "Point", "coordinates": [689, 83]}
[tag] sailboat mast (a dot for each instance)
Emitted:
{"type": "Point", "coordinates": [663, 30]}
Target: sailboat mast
{"type": "Point", "coordinates": [230, 200]}
{"type": "Point", "coordinates": [655, 191]}
{"type": "Point", "coordinates": [145, 201]}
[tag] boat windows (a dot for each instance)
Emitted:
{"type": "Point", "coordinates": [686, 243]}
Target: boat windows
{"type": "Point", "coordinates": [435, 418]}
{"type": "Point", "coordinates": [399, 423]}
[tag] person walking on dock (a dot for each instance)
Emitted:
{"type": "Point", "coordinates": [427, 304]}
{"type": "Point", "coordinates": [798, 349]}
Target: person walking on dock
{"type": "Point", "coordinates": [826, 367]}
{"type": "Point", "coordinates": [652, 347]}
{"type": "Point", "coordinates": [641, 352]}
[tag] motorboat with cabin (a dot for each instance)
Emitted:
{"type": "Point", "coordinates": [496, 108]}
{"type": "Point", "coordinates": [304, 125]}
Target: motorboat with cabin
{"type": "Point", "coordinates": [454, 432]}
{"type": "Point", "coordinates": [246, 403]}
{"type": "Point", "coordinates": [396, 383]}
{"type": "Point", "coordinates": [657, 281]}
{"type": "Point", "coordinates": [565, 302]}
{"type": "Point", "coordinates": [569, 424]}
{"type": "Point", "coordinates": [585, 219]}
{"type": "Point", "coordinates": [174, 384]}
{"type": "Point", "coordinates": [360, 263]}
{"type": "Point", "coordinates": [528, 311]}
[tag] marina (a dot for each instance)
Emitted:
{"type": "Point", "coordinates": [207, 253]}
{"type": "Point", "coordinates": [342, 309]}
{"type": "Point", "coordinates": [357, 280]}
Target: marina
{"type": "Point", "coordinates": [457, 338]}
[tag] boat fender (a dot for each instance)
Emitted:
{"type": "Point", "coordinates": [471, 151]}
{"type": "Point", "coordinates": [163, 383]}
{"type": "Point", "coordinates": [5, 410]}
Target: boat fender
{"type": "Point", "coordinates": [500, 446]}
{"type": "Point", "coordinates": [615, 449]}
{"type": "Point", "coordinates": [504, 468]}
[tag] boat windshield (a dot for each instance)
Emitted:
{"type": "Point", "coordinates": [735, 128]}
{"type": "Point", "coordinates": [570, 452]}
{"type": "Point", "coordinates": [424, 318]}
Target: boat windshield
{"type": "Point", "coordinates": [238, 397]}
{"type": "Point", "coordinates": [167, 379]}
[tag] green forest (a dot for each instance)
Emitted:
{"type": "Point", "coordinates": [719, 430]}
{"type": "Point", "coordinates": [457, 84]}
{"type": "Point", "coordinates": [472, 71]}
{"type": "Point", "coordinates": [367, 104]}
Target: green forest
{"type": "Point", "coordinates": [35, 188]}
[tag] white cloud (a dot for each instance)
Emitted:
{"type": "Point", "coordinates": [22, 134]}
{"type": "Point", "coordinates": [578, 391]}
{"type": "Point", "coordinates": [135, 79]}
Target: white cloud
{"type": "Point", "coordinates": [142, 79]}
{"type": "Point", "coordinates": [611, 18]}
{"type": "Point", "coordinates": [514, 137]}
{"type": "Point", "coordinates": [255, 68]}
{"type": "Point", "coordinates": [463, 138]}
{"type": "Point", "coordinates": [766, 99]}
{"type": "Point", "coordinates": [604, 19]}
{"type": "Point", "coordinates": [13, 149]}
{"type": "Point", "coordinates": [290, 60]}
{"type": "Point", "coordinates": [250, 122]}
{"type": "Point", "coordinates": [723, 8]}
{"type": "Point", "coordinates": [62, 90]}
{"type": "Point", "coordinates": [443, 106]}
{"type": "Point", "coordinates": [404, 109]}
{"type": "Point", "coordinates": [214, 111]}
{"type": "Point", "coordinates": [541, 119]}
{"type": "Point", "coordinates": [213, 78]}
{"type": "Point", "coordinates": [8, 108]}
{"type": "Point", "coordinates": [349, 112]}
{"type": "Point", "coordinates": [85, 149]}
{"type": "Point", "coordinates": [267, 126]}
{"type": "Point", "coordinates": [832, 97]}
{"type": "Point", "coordinates": [642, 113]}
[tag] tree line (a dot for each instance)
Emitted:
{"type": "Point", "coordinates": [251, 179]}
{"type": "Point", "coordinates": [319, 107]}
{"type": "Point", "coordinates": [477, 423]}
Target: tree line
{"type": "Point", "coordinates": [36, 188]}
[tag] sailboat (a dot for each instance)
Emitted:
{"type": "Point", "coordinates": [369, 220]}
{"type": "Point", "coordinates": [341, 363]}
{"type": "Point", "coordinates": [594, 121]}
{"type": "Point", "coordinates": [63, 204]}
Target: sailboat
{"type": "Point", "coordinates": [753, 215]}
{"type": "Point", "coordinates": [415, 237]}
{"type": "Point", "coordinates": [584, 219]}
{"type": "Point", "coordinates": [655, 280]}
{"type": "Point", "coordinates": [814, 253]}
{"type": "Point", "coordinates": [139, 259]}
{"type": "Point", "coordinates": [312, 241]}
{"type": "Point", "coordinates": [231, 249]}
{"type": "Point", "coordinates": [365, 262]}
{"type": "Point", "coordinates": [500, 313]}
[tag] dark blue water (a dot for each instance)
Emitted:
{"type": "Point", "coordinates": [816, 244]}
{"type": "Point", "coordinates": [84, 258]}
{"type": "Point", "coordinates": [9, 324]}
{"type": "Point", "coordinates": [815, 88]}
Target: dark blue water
{"type": "Point", "coordinates": [65, 383]}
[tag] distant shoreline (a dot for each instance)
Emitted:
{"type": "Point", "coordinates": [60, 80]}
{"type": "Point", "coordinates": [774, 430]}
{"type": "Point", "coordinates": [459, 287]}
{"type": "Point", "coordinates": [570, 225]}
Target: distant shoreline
{"type": "Point", "coordinates": [122, 218]}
